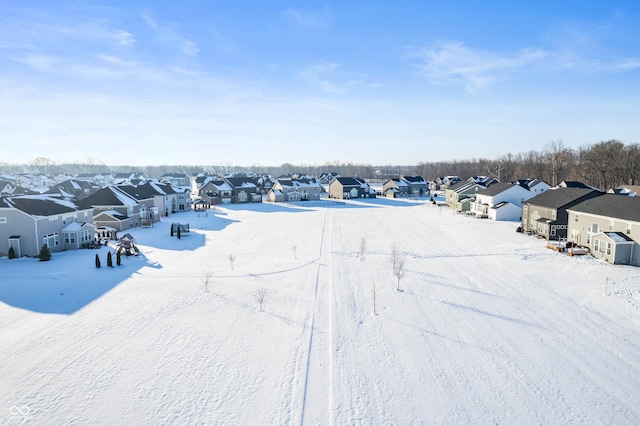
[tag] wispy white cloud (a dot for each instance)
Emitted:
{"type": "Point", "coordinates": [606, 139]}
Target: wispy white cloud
{"type": "Point", "coordinates": [307, 18]}
{"type": "Point", "coordinates": [19, 35]}
{"type": "Point", "coordinates": [453, 62]}
{"type": "Point", "coordinates": [168, 34]}
{"type": "Point", "coordinates": [317, 76]}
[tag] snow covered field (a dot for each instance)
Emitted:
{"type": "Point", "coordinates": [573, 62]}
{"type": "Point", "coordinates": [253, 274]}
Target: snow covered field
{"type": "Point", "coordinates": [490, 327]}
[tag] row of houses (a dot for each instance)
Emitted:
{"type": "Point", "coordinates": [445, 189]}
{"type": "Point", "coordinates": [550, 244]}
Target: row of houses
{"type": "Point", "coordinates": [60, 221]}
{"type": "Point", "coordinates": [607, 223]}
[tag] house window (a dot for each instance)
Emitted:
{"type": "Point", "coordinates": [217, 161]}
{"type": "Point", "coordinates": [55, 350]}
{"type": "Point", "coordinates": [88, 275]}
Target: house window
{"type": "Point", "coordinates": [628, 227]}
{"type": "Point", "coordinates": [69, 238]}
{"type": "Point", "coordinates": [51, 240]}
{"type": "Point", "coordinates": [575, 218]}
{"type": "Point", "coordinates": [594, 228]}
{"type": "Point", "coordinates": [553, 215]}
{"type": "Point", "coordinates": [611, 225]}
{"type": "Point", "coordinates": [608, 248]}
{"type": "Point", "coordinates": [4, 220]}
{"type": "Point", "coordinates": [597, 245]}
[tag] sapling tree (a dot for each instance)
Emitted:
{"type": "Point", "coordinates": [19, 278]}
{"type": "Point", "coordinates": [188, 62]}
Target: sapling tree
{"type": "Point", "coordinates": [398, 263]}
{"type": "Point", "coordinates": [232, 259]}
{"type": "Point", "coordinates": [261, 295]}
{"type": "Point", "coordinates": [399, 272]}
{"type": "Point", "coordinates": [363, 247]}
{"type": "Point", "coordinates": [374, 293]}
{"type": "Point", "coordinates": [118, 258]}
{"type": "Point", "coordinates": [206, 279]}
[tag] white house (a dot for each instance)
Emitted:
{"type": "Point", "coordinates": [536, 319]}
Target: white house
{"type": "Point", "coordinates": [500, 201]}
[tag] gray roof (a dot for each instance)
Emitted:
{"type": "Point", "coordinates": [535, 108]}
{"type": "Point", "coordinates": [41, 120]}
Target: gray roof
{"type": "Point", "coordinates": [348, 181]}
{"type": "Point", "coordinates": [560, 197]}
{"type": "Point", "coordinates": [611, 205]}
{"type": "Point", "coordinates": [495, 189]}
{"type": "Point", "coordinates": [39, 205]}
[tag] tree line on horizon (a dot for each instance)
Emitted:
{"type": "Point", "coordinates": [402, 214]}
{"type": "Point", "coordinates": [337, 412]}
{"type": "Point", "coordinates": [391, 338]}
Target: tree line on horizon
{"type": "Point", "coordinates": [604, 165]}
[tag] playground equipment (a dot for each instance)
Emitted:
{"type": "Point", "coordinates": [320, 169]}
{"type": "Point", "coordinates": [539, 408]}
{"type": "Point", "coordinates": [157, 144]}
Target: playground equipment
{"type": "Point", "coordinates": [127, 246]}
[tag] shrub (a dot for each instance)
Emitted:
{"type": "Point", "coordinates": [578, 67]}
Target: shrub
{"type": "Point", "coordinates": [97, 261]}
{"type": "Point", "coordinates": [45, 254]}
{"type": "Point", "coordinates": [109, 260]}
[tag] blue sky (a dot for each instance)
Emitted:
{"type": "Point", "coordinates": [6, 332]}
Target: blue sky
{"type": "Point", "coordinates": [271, 82]}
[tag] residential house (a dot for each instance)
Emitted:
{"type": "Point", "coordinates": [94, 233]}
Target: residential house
{"type": "Point", "coordinates": [183, 194]}
{"type": "Point", "coordinates": [456, 196]}
{"type": "Point", "coordinates": [29, 222]}
{"type": "Point", "coordinates": [244, 189]}
{"type": "Point", "coordinates": [176, 179]}
{"type": "Point", "coordinates": [546, 213]}
{"type": "Point", "coordinates": [113, 208]}
{"type": "Point", "coordinates": [630, 190]}
{"type": "Point", "coordinates": [573, 184]}
{"type": "Point", "coordinates": [6, 188]}
{"type": "Point", "coordinates": [609, 225]}
{"type": "Point", "coordinates": [327, 178]}
{"type": "Point", "coordinates": [443, 183]}
{"type": "Point", "coordinates": [99, 180]}
{"type": "Point", "coordinates": [534, 186]}
{"type": "Point", "coordinates": [133, 178]}
{"type": "Point", "coordinates": [295, 189]}
{"type": "Point", "coordinates": [500, 201]}
{"type": "Point", "coordinates": [485, 181]}
{"type": "Point", "coordinates": [265, 183]}
{"type": "Point", "coordinates": [214, 192]}
{"type": "Point", "coordinates": [418, 186]}
{"type": "Point", "coordinates": [148, 198]}
{"type": "Point", "coordinates": [396, 187]}
{"type": "Point", "coordinates": [73, 189]}
{"type": "Point", "coordinates": [350, 187]}
{"type": "Point", "coordinates": [37, 182]}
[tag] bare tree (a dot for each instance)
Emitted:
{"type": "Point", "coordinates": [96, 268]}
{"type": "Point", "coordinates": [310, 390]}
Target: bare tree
{"type": "Point", "coordinates": [399, 271]}
{"type": "Point", "coordinates": [363, 246]}
{"type": "Point", "coordinates": [605, 158]}
{"type": "Point", "coordinates": [295, 249]}
{"type": "Point", "coordinates": [232, 259]}
{"type": "Point", "coordinates": [206, 279]}
{"type": "Point", "coordinates": [398, 262]}
{"type": "Point", "coordinates": [374, 292]}
{"type": "Point", "coordinates": [261, 295]}
{"type": "Point", "coordinates": [395, 257]}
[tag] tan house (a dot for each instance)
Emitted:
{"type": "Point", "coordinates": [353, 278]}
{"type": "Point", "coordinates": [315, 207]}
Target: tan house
{"type": "Point", "coordinates": [609, 225]}
{"type": "Point", "coordinates": [456, 194]}
{"type": "Point", "coordinates": [546, 213]}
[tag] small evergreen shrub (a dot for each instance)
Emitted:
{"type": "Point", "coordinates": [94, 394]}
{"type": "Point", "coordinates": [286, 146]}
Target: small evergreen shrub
{"type": "Point", "coordinates": [45, 254]}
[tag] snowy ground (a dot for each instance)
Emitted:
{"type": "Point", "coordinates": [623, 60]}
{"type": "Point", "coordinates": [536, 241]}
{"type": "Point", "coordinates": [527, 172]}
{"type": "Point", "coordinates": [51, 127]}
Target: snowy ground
{"type": "Point", "coordinates": [490, 326]}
